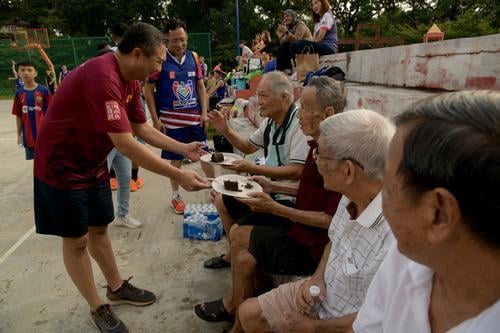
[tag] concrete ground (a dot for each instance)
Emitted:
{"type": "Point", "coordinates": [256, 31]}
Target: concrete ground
{"type": "Point", "coordinates": [37, 295]}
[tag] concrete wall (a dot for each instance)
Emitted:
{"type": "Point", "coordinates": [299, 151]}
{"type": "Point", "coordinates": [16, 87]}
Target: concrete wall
{"type": "Point", "coordinates": [387, 101]}
{"type": "Point", "coordinates": [456, 64]}
{"type": "Point", "coordinates": [384, 100]}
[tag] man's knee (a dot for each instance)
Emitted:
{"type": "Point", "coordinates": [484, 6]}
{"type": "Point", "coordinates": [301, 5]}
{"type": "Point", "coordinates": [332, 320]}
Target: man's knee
{"type": "Point", "coordinates": [98, 231]}
{"type": "Point", "coordinates": [219, 203]}
{"type": "Point", "coordinates": [244, 262]}
{"type": "Point", "coordinates": [75, 244]}
{"type": "Point", "coordinates": [239, 236]}
{"type": "Point", "coordinates": [249, 313]}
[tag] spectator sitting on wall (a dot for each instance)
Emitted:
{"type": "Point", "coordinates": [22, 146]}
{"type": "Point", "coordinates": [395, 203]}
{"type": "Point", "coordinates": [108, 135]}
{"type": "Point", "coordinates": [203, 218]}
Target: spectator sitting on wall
{"type": "Point", "coordinates": [290, 30]}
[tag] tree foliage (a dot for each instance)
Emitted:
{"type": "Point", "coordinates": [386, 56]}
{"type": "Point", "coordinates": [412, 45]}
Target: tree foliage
{"type": "Point", "coordinates": [406, 18]}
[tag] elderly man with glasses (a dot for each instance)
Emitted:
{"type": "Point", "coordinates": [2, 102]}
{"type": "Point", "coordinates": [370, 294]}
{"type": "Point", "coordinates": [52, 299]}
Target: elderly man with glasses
{"type": "Point", "coordinates": [350, 157]}
{"type": "Point", "coordinates": [292, 242]}
{"type": "Point", "coordinates": [441, 200]}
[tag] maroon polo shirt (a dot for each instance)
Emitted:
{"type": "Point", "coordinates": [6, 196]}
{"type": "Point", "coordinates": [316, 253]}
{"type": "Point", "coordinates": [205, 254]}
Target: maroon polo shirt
{"type": "Point", "coordinates": [312, 196]}
{"type": "Point", "coordinates": [73, 142]}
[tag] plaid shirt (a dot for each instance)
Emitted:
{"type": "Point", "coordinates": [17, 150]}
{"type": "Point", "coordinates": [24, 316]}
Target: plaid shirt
{"type": "Point", "coordinates": [358, 248]}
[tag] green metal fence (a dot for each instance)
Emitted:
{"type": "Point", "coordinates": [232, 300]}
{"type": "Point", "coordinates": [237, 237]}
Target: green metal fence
{"type": "Point", "coordinates": [71, 52]}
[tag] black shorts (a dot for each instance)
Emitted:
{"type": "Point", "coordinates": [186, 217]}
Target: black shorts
{"type": "Point", "coordinates": [243, 215]}
{"type": "Point", "coordinates": [277, 253]}
{"type": "Point", "coordinates": [69, 213]}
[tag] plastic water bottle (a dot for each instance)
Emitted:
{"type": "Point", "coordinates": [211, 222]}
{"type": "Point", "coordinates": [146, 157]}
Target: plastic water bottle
{"type": "Point", "coordinates": [314, 291]}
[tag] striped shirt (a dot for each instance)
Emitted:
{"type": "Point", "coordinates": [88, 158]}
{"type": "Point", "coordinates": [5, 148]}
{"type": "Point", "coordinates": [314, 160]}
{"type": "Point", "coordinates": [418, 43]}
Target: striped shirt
{"type": "Point", "coordinates": [176, 91]}
{"type": "Point", "coordinates": [31, 106]}
{"type": "Point", "coordinates": [286, 143]}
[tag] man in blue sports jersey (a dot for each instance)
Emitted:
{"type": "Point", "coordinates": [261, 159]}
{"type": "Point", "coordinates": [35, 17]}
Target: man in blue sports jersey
{"type": "Point", "coordinates": [178, 107]}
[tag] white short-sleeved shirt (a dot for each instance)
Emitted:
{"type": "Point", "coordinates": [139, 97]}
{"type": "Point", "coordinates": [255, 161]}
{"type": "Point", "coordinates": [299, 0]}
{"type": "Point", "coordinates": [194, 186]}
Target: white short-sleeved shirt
{"type": "Point", "coordinates": [398, 301]}
{"type": "Point", "coordinates": [246, 52]}
{"type": "Point", "coordinates": [358, 248]}
{"type": "Point", "coordinates": [326, 22]}
{"type": "Point", "coordinates": [286, 144]}
{"type": "Point", "coordinates": [329, 24]}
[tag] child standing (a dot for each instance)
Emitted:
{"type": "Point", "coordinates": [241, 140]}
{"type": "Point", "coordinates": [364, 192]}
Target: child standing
{"type": "Point", "coordinates": [30, 104]}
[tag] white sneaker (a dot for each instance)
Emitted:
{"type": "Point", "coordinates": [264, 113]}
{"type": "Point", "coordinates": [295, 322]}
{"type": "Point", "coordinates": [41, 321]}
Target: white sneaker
{"type": "Point", "coordinates": [127, 222]}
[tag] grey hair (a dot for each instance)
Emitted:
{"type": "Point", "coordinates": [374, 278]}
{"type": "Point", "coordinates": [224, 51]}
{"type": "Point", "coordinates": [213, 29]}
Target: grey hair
{"type": "Point", "coordinates": [453, 142]}
{"type": "Point", "coordinates": [280, 84]}
{"type": "Point", "coordinates": [329, 92]}
{"type": "Point", "coordinates": [361, 135]}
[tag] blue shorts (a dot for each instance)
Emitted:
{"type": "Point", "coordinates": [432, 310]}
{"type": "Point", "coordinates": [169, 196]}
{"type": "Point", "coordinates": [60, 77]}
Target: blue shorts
{"type": "Point", "coordinates": [29, 152]}
{"type": "Point", "coordinates": [184, 135]}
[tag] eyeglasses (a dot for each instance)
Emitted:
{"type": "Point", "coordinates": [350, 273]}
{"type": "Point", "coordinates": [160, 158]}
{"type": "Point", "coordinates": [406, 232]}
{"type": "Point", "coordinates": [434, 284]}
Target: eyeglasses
{"type": "Point", "coordinates": [316, 157]}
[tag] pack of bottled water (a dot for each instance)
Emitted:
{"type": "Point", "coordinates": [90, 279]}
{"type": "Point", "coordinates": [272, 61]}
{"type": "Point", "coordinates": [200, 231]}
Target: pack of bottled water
{"type": "Point", "coordinates": [201, 221]}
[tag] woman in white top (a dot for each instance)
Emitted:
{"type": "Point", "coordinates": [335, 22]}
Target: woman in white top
{"type": "Point", "coordinates": [325, 31]}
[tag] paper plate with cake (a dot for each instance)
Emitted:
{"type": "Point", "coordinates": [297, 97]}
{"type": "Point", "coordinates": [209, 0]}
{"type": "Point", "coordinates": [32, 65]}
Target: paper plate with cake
{"type": "Point", "coordinates": [235, 186]}
{"type": "Point", "coordinates": [221, 158]}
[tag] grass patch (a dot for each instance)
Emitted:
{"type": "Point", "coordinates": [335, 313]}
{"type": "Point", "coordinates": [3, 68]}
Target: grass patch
{"type": "Point", "coordinates": [6, 97]}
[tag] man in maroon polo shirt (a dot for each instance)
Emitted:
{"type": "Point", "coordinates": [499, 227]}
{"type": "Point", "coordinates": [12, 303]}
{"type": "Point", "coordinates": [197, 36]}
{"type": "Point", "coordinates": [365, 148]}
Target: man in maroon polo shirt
{"type": "Point", "coordinates": [293, 243]}
{"type": "Point", "coordinates": [95, 109]}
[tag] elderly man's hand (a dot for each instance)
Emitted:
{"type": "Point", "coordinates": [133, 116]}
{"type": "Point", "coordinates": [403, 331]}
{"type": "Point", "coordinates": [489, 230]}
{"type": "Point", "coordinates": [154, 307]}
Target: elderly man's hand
{"type": "Point", "coordinates": [296, 322]}
{"type": "Point", "coordinates": [260, 202]}
{"type": "Point", "coordinates": [241, 166]}
{"type": "Point", "coordinates": [304, 300]}
{"type": "Point", "coordinates": [267, 185]}
{"type": "Point", "coordinates": [219, 121]}
{"type": "Point", "coordinates": [194, 150]}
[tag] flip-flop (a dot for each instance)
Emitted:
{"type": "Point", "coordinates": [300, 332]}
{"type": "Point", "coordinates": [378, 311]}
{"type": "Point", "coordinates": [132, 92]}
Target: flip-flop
{"type": "Point", "coordinates": [216, 262]}
{"type": "Point", "coordinates": [213, 311]}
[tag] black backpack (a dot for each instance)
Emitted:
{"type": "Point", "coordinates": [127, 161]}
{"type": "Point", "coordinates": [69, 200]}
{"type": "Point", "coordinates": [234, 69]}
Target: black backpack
{"type": "Point", "coordinates": [332, 71]}
{"type": "Point", "coordinates": [221, 144]}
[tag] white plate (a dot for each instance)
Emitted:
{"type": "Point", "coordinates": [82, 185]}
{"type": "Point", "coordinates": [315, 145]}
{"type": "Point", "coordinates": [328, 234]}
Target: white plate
{"type": "Point", "coordinates": [218, 185]}
{"type": "Point", "coordinates": [229, 158]}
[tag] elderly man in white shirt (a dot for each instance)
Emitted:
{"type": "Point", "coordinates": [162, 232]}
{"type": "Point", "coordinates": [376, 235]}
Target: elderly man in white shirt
{"type": "Point", "coordinates": [441, 200]}
{"type": "Point", "coordinates": [350, 157]}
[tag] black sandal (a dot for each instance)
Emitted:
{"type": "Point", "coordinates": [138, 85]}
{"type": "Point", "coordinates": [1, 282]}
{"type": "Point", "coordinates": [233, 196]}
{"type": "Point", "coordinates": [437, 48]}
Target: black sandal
{"type": "Point", "coordinates": [213, 311]}
{"type": "Point", "coordinates": [216, 262]}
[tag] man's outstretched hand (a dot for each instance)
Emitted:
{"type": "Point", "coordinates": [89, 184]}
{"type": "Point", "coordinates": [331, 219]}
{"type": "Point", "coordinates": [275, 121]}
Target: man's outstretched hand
{"type": "Point", "coordinates": [191, 181]}
{"type": "Point", "coordinates": [194, 150]}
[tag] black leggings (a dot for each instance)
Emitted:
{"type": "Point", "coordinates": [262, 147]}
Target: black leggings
{"type": "Point", "coordinates": [283, 57]}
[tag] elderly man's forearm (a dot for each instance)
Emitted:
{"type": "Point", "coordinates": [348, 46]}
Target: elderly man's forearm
{"type": "Point", "coordinates": [287, 172]}
{"type": "Point", "coordinates": [240, 143]}
{"type": "Point", "coordinates": [310, 218]}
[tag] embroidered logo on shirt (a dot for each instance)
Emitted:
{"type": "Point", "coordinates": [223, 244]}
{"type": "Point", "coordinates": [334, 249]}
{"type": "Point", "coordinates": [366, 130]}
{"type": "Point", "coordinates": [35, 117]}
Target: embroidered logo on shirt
{"type": "Point", "coordinates": [171, 75]}
{"type": "Point", "coordinates": [191, 74]}
{"type": "Point", "coordinates": [113, 110]}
